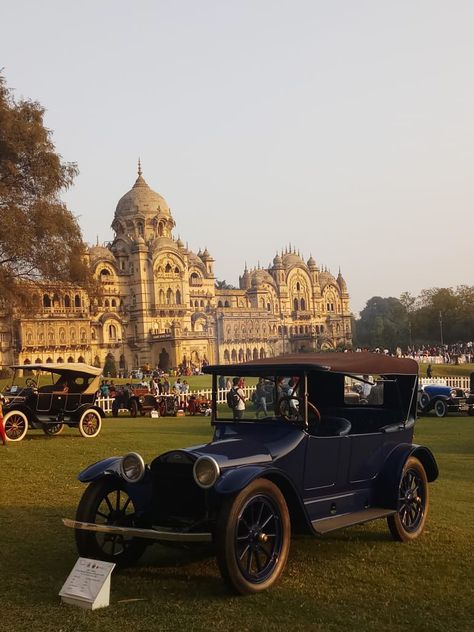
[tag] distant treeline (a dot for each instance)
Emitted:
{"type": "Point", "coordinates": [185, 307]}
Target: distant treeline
{"type": "Point", "coordinates": [437, 315]}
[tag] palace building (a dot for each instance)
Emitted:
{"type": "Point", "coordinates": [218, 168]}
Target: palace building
{"type": "Point", "coordinates": [160, 305]}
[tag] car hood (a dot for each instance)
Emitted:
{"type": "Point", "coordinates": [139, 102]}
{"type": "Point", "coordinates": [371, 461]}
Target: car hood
{"type": "Point", "coordinates": [233, 452]}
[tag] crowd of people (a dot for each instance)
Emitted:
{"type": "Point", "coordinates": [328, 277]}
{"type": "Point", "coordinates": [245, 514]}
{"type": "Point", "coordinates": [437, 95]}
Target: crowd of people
{"type": "Point", "coordinates": [458, 353]}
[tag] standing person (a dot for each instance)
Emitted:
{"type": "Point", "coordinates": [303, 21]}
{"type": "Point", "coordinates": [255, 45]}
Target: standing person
{"type": "Point", "coordinates": [222, 381]}
{"type": "Point", "coordinates": [260, 399]}
{"type": "Point", "coordinates": [429, 371]}
{"type": "Point", "coordinates": [237, 397]}
{"type": "Point", "coordinates": [166, 386]}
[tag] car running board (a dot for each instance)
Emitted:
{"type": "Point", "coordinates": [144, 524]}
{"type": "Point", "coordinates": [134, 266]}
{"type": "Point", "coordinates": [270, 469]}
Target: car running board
{"type": "Point", "coordinates": [135, 532]}
{"type": "Point", "coordinates": [325, 525]}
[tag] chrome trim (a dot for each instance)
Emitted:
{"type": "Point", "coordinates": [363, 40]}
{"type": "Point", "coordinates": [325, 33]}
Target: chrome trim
{"type": "Point", "coordinates": [149, 534]}
{"type": "Point", "coordinates": [216, 467]}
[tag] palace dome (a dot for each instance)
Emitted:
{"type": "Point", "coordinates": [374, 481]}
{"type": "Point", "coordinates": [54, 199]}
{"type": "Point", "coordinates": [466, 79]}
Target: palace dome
{"type": "Point", "coordinates": [101, 253]}
{"type": "Point", "coordinates": [141, 199]}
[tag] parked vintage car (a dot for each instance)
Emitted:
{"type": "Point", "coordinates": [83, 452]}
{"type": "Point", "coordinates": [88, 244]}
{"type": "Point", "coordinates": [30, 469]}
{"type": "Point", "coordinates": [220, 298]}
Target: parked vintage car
{"type": "Point", "coordinates": [53, 396]}
{"type": "Point", "coordinates": [142, 402]}
{"type": "Point", "coordinates": [316, 463]}
{"type": "Point", "coordinates": [444, 399]}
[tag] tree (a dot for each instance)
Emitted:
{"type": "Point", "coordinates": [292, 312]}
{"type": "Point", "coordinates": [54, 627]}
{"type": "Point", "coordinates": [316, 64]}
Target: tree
{"type": "Point", "coordinates": [223, 285]}
{"type": "Point", "coordinates": [40, 239]}
{"type": "Point", "coordinates": [383, 323]}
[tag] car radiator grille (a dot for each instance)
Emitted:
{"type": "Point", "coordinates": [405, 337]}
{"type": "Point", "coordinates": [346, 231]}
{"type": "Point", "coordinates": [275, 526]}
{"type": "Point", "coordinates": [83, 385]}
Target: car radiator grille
{"type": "Point", "coordinates": [177, 500]}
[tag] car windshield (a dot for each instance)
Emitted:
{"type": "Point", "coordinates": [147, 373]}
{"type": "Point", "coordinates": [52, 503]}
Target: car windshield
{"type": "Point", "coordinates": [263, 397]}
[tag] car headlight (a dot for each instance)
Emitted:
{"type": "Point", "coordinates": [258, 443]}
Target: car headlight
{"type": "Point", "coordinates": [132, 467]}
{"type": "Point", "coordinates": [206, 472]}
{"type": "Point", "coordinates": [454, 393]}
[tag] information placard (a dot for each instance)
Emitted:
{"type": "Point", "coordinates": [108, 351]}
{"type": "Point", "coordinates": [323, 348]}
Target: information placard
{"type": "Point", "coordinates": [88, 584]}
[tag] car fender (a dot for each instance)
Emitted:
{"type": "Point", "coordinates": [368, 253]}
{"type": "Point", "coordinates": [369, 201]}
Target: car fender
{"type": "Point", "coordinates": [106, 467]}
{"type": "Point", "coordinates": [236, 479]}
{"type": "Point", "coordinates": [140, 493]}
{"type": "Point", "coordinates": [389, 478]}
{"type": "Point", "coordinates": [76, 415]}
{"type": "Point", "coordinates": [23, 408]}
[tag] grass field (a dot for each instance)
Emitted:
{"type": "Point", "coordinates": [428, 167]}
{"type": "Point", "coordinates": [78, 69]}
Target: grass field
{"type": "Point", "coordinates": [353, 579]}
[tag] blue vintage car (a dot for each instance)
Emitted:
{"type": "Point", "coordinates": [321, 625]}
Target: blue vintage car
{"type": "Point", "coordinates": [444, 399]}
{"type": "Point", "coordinates": [306, 455]}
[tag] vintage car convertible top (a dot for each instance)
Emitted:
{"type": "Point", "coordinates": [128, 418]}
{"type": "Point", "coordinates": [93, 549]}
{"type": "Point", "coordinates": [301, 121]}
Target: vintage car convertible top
{"type": "Point", "coordinates": [323, 442]}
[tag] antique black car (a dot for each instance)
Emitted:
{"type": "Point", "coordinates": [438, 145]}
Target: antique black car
{"type": "Point", "coordinates": [442, 399]}
{"type": "Point", "coordinates": [319, 459]}
{"type": "Point", "coordinates": [51, 397]}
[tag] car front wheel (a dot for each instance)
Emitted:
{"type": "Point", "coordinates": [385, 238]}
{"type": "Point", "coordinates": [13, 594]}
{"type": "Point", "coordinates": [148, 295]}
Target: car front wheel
{"type": "Point", "coordinates": [440, 408]}
{"type": "Point", "coordinates": [15, 424]}
{"type": "Point", "coordinates": [90, 424]}
{"type": "Point", "coordinates": [106, 502]}
{"type": "Point", "coordinates": [253, 537]}
{"type": "Point", "coordinates": [413, 503]}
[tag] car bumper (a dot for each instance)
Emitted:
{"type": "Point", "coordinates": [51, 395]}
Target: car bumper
{"type": "Point", "coordinates": [148, 534]}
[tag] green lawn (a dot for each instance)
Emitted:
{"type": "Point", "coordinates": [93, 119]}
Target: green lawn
{"type": "Point", "coordinates": [354, 579]}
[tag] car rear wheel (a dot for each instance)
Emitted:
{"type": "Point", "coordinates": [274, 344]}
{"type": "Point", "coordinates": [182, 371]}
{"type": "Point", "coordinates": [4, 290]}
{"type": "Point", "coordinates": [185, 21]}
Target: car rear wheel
{"type": "Point", "coordinates": [106, 502]}
{"type": "Point", "coordinates": [15, 424]}
{"type": "Point", "coordinates": [413, 503]}
{"type": "Point", "coordinates": [133, 408]}
{"type": "Point", "coordinates": [90, 424]}
{"type": "Point", "coordinates": [253, 537]}
{"type": "Point", "coordinates": [53, 429]}
{"type": "Point", "coordinates": [440, 408]}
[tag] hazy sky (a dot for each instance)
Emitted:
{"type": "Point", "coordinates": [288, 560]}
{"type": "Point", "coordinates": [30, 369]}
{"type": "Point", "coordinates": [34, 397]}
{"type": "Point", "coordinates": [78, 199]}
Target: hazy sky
{"type": "Point", "coordinates": [343, 127]}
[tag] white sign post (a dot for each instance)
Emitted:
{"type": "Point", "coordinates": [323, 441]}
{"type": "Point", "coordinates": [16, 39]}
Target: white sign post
{"type": "Point", "coordinates": [88, 584]}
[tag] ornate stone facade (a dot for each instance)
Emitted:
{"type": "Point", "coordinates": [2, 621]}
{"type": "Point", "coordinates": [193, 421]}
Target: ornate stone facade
{"type": "Point", "coordinates": [160, 304]}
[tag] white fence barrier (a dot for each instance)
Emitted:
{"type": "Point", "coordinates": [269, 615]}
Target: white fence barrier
{"type": "Point", "coordinates": [455, 381]}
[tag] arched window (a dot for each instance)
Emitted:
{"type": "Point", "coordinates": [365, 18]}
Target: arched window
{"type": "Point", "coordinates": [82, 334]}
{"type": "Point", "coordinates": [56, 301]}
{"type": "Point", "coordinates": [268, 307]}
{"type": "Point", "coordinates": [114, 303]}
{"type": "Point", "coordinates": [70, 359]}
{"type": "Point", "coordinates": [303, 304]}
{"type": "Point", "coordinates": [169, 296]}
{"type": "Point", "coordinates": [160, 229]}
{"type": "Point", "coordinates": [226, 356]}
{"type": "Point", "coordinates": [62, 336]}
{"type": "Point", "coordinates": [161, 297]}
{"type": "Point", "coordinates": [201, 303]}
{"type": "Point", "coordinates": [226, 304]}
{"type": "Point", "coordinates": [219, 304]}
{"type": "Point", "coordinates": [255, 354]}
{"type": "Point", "coordinates": [262, 353]}
{"type": "Point", "coordinates": [49, 361]}
{"type": "Point", "coordinates": [38, 361]}
{"type": "Point", "coordinates": [178, 297]}
{"type": "Point", "coordinates": [59, 360]}
{"type": "Point", "coordinates": [46, 301]}
{"type": "Point", "coordinates": [112, 332]}
{"type": "Point", "coordinates": [298, 287]}
{"type": "Point", "coordinates": [81, 359]}
{"type": "Point", "coordinates": [72, 335]}
{"type": "Point", "coordinates": [106, 303]}
{"type": "Point", "coordinates": [322, 328]}
{"type": "Point", "coordinates": [248, 354]}
{"type": "Point", "coordinates": [176, 270]}
{"type": "Point", "coordinates": [241, 355]}
{"type": "Point", "coordinates": [67, 301]}
{"type": "Point", "coordinates": [77, 301]}
{"type": "Point", "coordinates": [234, 355]}
{"type": "Point", "coordinates": [104, 274]}
{"type": "Point", "coordinates": [295, 304]}
{"type": "Point", "coordinates": [168, 268]}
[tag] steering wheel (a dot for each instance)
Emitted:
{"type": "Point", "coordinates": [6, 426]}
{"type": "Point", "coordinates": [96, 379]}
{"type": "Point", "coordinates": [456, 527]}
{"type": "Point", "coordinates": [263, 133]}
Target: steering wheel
{"type": "Point", "coordinates": [289, 407]}
{"type": "Point", "coordinates": [30, 382]}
